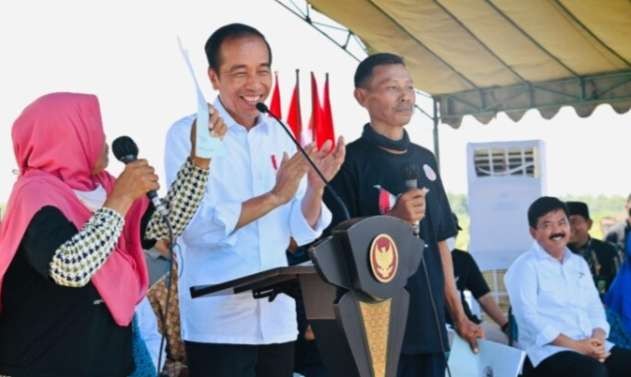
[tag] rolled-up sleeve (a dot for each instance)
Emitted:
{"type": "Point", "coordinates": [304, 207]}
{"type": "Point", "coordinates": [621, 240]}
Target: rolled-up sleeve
{"type": "Point", "coordinates": [521, 285]}
{"type": "Point", "coordinates": [598, 317]}
{"type": "Point", "coordinates": [301, 231]}
{"type": "Point", "coordinates": [213, 223]}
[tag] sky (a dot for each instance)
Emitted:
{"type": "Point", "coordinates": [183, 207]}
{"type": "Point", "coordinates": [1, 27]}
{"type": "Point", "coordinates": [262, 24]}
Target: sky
{"type": "Point", "coordinates": [126, 53]}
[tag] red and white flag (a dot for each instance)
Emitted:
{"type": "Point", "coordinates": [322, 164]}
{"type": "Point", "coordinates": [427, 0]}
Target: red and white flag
{"type": "Point", "coordinates": [386, 200]}
{"type": "Point", "coordinates": [275, 103]}
{"type": "Point", "coordinates": [294, 116]}
{"type": "Point", "coordinates": [325, 130]}
{"type": "Point", "coordinates": [315, 122]}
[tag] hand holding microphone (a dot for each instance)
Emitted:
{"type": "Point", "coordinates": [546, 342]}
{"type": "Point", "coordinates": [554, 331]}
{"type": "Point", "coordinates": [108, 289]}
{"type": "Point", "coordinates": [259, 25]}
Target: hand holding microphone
{"type": "Point", "coordinates": [137, 179]}
{"type": "Point", "coordinates": [410, 206]}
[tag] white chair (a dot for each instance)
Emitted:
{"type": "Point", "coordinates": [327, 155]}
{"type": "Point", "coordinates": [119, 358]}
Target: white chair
{"type": "Point", "coordinates": [493, 360]}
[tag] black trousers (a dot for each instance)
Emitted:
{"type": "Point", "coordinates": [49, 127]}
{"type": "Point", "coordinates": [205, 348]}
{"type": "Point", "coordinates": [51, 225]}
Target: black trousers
{"type": "Point", "coordinates": [569, 363]}
{"type": "Point", "coordinates": [422, 365]}
{"type": "Point", "coordinates": [236, 360]}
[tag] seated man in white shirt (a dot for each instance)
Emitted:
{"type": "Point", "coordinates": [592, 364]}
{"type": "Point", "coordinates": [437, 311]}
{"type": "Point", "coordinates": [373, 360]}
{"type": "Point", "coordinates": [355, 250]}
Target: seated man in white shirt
{"type": "Point", "coordinates": [561, 321]}
{"type": "Point", "coordinates": [256, 199]}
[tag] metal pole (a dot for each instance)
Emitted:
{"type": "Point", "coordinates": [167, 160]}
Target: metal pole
{"type": "Point", "coordinates": [436, 141]}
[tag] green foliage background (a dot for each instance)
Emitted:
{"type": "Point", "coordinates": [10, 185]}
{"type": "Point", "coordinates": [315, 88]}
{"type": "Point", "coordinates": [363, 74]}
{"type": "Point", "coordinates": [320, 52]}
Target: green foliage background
{"type": "Point", "coordinates": [600, 206]}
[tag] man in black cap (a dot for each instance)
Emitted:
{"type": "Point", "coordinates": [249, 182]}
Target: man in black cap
{"type": "Point", "coordinates": [602, 257]}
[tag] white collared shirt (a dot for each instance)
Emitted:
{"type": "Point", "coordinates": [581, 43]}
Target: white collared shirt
{"type": "Point", "coordinates": [213, 252]}
{"type": "Point", "coordinates": [550, 298]}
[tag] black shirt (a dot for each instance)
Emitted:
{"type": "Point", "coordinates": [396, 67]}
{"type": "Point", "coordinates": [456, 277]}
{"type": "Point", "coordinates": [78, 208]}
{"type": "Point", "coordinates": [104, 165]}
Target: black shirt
{"type": "Point", "coordinates": [47, 330]}
{"type": "Point", "coordinates": [468, 277]}
{"type": "Point", "coordinates": [368, 167]}
{"type": "Point", "coordinates": [603, 260]}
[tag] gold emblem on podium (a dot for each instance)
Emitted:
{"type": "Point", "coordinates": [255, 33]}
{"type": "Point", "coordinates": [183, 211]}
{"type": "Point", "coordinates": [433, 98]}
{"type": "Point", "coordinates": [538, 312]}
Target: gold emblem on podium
{"type": "Point", "coordinates": [384, 258]}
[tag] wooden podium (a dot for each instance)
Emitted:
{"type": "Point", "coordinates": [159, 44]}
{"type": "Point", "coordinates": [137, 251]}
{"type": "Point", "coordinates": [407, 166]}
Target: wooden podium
{"type": "Point", "coordinates": [353, 292]}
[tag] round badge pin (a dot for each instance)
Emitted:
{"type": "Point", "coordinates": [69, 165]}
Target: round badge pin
{"type": "Point", "coordinates": [429, 172]}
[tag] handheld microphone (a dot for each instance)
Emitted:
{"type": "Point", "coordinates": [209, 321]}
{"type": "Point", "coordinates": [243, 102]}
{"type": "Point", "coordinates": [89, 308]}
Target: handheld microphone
{"type": "Point", "coordinates": [263, 108]}
{"type": "Point", "coordinates": [411, 174]}
{"type": "Point", "coordinates": [126, 151]}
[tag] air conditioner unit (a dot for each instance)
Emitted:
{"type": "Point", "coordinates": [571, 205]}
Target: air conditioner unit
{"type": "Point", "coordinates": [504, 179]}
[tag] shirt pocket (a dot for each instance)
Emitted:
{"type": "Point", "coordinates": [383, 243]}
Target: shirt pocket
{"type": "Point", "coordinates": [265, 176]}
{"type": "Point", "coordinates": [552, 290]}
{"type": "Point", "coordinates": [585, 287]}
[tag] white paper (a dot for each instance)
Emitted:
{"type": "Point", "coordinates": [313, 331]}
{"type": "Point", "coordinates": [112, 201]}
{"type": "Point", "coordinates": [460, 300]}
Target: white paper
{"type": "Point", "coordinates": [206, 146]}
{"type": "Point", "coordinates": [493, 360]}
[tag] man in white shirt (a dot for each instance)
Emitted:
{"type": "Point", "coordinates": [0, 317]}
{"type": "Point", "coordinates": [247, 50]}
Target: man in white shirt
{"type": "Point", "coordinates": [561, 321]}
{"type": "Point", "coordinates": [255, 201]}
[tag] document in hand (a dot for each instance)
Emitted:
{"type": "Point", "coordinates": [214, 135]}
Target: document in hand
{"type": "Point", "coordinates": [206, 146]}
{"type": "Point", "coordinates": [493, 360]}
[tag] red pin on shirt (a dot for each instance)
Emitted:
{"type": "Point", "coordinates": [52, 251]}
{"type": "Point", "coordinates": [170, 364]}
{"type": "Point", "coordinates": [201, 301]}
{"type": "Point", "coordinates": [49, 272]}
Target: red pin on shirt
{"type": "Point", "coordinates": [274, 163]}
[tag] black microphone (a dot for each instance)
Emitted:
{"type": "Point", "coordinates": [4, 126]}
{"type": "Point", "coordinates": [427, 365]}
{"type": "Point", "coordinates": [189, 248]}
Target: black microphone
{"type": "Point", "coordinates": [126, 151]}
{"type": "Point", "coordinates": [263, 108]}
{"type": "Point", "coordinates": [411, 174]}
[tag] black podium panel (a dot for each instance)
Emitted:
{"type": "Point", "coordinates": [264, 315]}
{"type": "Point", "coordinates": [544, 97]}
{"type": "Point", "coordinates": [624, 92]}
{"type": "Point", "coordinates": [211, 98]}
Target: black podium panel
{"type": "Point", "coordinates": [353, 293]}
{"type": "Point", "coordinates": [344, 258]}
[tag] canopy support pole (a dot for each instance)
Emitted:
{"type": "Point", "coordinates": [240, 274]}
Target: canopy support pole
{"type": "Point", "coordinates": [435, 132]}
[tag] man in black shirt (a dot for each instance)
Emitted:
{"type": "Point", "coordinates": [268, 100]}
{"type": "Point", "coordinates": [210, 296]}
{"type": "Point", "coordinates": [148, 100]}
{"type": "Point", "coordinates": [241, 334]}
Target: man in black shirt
{"type": "Point", "coordinates": [372, 182]}
{"type": "Point", "coordinates": [602, 257]}
{"type": "Point", "coordinates": [469, 278]}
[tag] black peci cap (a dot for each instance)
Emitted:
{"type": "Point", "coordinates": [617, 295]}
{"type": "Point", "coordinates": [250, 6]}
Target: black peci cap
{"type": "Point", "coordinates": [577, 208]}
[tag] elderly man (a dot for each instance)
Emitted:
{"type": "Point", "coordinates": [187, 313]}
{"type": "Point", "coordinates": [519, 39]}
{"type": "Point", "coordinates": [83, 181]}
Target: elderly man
{"type": "Point", "coordinates": [372, 181]}
{"type": "Point", "coordinates": [562, 323]}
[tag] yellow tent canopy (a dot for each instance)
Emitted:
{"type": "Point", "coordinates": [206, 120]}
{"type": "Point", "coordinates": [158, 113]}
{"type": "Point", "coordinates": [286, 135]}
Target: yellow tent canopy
{"type": "Point", "coordinates": [480, 57]}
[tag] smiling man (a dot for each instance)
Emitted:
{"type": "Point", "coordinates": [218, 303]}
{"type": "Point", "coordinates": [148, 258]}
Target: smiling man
{"type": "Point", "coordinates": [372, 182]}
{"type": "Point", "coordinates": [561, 321]}
{"type": "Point", "coordinates": [256, 201]}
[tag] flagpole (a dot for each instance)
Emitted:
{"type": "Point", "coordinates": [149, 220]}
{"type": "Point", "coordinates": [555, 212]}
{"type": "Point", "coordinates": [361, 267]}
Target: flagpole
{"type": "Point", "coordinates": [299, 137]}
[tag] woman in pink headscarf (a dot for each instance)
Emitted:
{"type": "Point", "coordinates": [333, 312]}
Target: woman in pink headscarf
{"type": "Point", "coordinates": [71, 262]}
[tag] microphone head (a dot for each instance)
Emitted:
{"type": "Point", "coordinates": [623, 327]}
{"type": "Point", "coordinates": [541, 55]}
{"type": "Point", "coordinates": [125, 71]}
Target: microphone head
{"type": "Point", "coordinates": [262, 107]}
{"type": "Point", "coordinates": [411, 171]}
{"type": "Point", "coordinates": [125, 150]}
{"type": "Point", "coordinates": [411, 174]}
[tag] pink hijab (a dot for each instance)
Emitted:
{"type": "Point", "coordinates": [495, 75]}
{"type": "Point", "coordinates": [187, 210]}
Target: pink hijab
{"type": "Point", "coordinates": [57, 142]}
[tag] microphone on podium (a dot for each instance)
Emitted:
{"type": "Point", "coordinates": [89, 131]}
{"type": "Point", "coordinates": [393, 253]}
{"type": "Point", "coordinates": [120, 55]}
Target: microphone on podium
{"type": "Point", "coordinates": [264, 109]}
